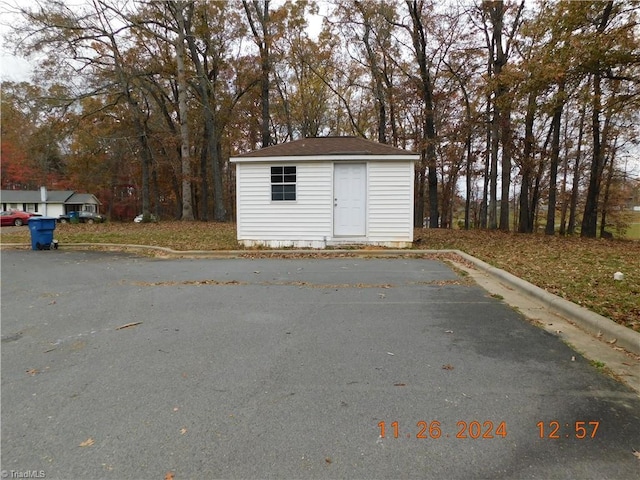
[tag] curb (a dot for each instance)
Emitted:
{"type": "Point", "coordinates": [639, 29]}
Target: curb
{"type": "Point", "coordinates": [596, 324]}
{"type": "Point", "coordinates": [583, 317]}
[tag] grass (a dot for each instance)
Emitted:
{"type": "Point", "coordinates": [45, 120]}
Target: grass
{"type": "Point", "coordinates": [580, 270]}
{"type": "Point", "coordinates": [175, 235]}
{"type": "Point", "coordinates": [633, 232]}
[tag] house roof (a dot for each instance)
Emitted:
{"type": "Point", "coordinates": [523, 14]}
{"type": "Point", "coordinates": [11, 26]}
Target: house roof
{"type": "Point", "coordinates": [83, 198]}
{"type": "Point", "coordinates": [328, 146]}
{"type": "Point", "coordinates": [53, 196]}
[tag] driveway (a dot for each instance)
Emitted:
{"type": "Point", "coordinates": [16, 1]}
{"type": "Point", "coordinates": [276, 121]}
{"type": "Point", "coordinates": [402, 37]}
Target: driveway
{"type": "Point", "coordinates": [121, 367]}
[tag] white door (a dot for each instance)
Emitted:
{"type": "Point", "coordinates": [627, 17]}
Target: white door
{"type": "Point", "coordinates": [349, 199]}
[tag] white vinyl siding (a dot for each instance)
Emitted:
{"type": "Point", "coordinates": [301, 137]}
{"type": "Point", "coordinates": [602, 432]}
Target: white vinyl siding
{"type": "Point", "coordinates": [390, 201]}
{"type": "Point", "coordinates": [307, 221]}
{"type": "Point", "coordinates": [306, 218]}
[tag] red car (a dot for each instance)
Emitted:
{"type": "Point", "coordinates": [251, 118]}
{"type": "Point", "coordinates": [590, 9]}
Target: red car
{"type": "Point", "coordinates": [16, 217]}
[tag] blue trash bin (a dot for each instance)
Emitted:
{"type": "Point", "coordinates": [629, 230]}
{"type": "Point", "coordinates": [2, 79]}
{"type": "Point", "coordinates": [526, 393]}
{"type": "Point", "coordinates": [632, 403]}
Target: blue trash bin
{"type": "Point", "coordinates": [41, 229]}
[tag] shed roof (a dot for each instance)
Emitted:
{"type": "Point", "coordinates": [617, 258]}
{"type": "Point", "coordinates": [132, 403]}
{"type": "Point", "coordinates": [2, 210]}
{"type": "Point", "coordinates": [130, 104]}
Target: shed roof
{"type": "Point", "coordinates": [327, 146]}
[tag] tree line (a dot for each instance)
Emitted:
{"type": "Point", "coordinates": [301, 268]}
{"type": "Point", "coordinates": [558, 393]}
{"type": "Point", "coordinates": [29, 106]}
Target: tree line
{"type": "Point", "coordinates": [525, 116]}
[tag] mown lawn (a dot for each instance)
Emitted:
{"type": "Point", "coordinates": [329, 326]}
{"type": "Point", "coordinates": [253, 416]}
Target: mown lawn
{"type": "Point", "coordinates": [580, 270]}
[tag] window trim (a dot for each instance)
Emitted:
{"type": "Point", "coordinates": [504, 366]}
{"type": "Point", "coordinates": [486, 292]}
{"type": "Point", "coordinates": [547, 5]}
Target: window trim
{"type": "Point", "coordinates": [283, 181]}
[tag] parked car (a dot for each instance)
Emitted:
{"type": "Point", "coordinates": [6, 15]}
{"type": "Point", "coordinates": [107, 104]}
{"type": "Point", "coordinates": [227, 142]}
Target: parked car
{"type": "Point", "coordinates": [16, 217]}
{"type": "Point", "coordinates": [138, 218]}
{"type": "Point", "coordinates": [83, 217]}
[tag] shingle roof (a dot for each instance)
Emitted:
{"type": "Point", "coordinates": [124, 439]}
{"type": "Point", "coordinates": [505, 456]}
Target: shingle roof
{"type": "Point", "coordinates": [53, 196]}
{"type": "Point", "coordinates": [20, 196]}
{"type": "Point", "coordinates": [314, 146]}
{"type": "Point", "coordinates": [83, 198]}
{"type": "Point", "coordinates": [58, 196]}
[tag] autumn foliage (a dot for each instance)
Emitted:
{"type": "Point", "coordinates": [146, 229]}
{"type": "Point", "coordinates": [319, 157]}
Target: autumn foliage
{"type": "Point", "coordinates": [525, 114]}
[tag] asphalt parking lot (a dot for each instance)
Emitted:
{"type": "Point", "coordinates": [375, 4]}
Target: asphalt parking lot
{"type": "Point", "coordinates": [123, 367]}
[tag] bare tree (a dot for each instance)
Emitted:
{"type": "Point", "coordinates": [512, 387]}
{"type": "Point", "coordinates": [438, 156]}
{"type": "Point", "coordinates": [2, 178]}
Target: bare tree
{"type": "Point", "coordinates": [260, 23]}
{"type": "Point", "coordinates": [428, 141]}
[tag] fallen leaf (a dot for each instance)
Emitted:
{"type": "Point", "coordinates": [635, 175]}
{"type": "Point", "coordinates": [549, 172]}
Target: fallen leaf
{"type": "Point", "coordinates": [87, 443]}
{"type": "Point", "coordinates": [183, 431]}
{"type": "Point", "coordinates": [128, 325]}
{"type": "Point", "coordinates": [175, 409]}
{"type": "Point", "coordinates": [399, 384]}
{"type": "Point", "coordinates": [448, 366]}
{"type": "Point", "coordinates": [599, 335]}
{"type": "Point", "coordinates": [381, 295]}
{"type": "Point", "coordinates": [636, 454]}
{"type": "Point", "coordinates": [168, 476]}
{"type": "Point", "coordinates": [328, 460]}
{"type": "Point", "coordinates": [611, 342]}
{"type": "Point", "coordinates": [53, 302]}
{"type": "Point", "coordinates": [558, 331]}
{"type": "Point", "coordinates": [32, 371]}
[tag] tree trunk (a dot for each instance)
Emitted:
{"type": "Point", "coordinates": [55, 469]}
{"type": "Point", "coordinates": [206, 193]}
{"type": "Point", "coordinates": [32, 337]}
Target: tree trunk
{"type": "Point", "coordinates": [571, 227]}
{"type": "Point", "coordinates": [211, 130]}
{"type": "Point", "coordinates": [590, 216]}
{"type": "Point", "coordinates": [487, 161]}
{"type": "Point", "coordinates": [550, 228]}
{"type": "Point", "coordinates": [505, 136]}
{"type": "Point", "coordinates": [185, 146]}
{"type": "Point", "coordinates": [429, 130]}
{"type": "Point", "coordinates": [203, 213]}
{"type": "Point", "coordinates": [418, 220]}
{"type": "Point", "coordinates": [146, 166]}
{"type": "Point", "coordinates": [605, 202]}
{"type": "Point", "coordinates": [565, 174]}
{"type": "Point", "coordinates": [263, 41]}
{"type": "Point", "coordinates": [377, 80]}
{"type": "Point", "coordinates": [525, 224]}
{"type": "Point", "coordinates": [493, 172]}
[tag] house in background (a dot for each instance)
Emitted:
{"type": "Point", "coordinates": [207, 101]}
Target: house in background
{"type": "Point", "coordinates": [49, 203]}
{"type": "Point", "coordinates": [325, 191]}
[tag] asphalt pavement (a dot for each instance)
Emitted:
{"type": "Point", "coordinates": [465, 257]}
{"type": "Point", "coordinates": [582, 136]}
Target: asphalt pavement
{"type": "Point", "coordinates": [123, 367]}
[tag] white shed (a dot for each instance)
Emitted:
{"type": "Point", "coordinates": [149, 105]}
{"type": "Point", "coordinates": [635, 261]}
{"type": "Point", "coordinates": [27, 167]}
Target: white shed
{"type": "Point", "coordinates": [325, 191]}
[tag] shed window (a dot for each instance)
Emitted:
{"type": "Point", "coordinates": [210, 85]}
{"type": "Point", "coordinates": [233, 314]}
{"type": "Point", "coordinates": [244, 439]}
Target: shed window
{"type": "Point", "coordinates": [283, 183]}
